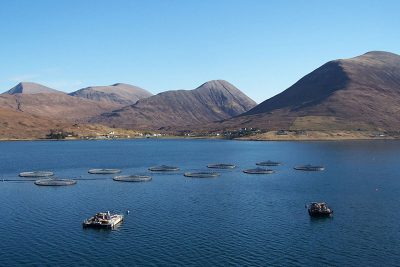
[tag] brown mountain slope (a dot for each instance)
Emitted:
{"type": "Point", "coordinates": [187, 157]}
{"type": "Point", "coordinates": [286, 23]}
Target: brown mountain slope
{"type": "Point", "coordinates": [214, 100]}
{"type": "Point", "coordinates": [31, 88]}
{"type": "Point", "coordinates": [357, 93]}
{"type": "Point", "coordinates": [54, 106]}
{"type": "Point", "coordinates": [19, 125]}
{"type": "Point", "coordinates": [119, 93]}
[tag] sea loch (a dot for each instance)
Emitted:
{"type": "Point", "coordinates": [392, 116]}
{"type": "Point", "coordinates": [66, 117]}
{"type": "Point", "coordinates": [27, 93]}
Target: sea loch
{"type": "Point", "coordinates": [234, 219]}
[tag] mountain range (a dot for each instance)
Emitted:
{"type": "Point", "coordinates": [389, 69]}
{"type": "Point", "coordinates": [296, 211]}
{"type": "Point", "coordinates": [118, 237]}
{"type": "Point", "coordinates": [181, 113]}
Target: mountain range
{"type": "Point", "coordinates": [119, 105]}
{"type": "Point", "coordinates": [212, 101]}
{"type": "Point", "coordinates": [358, 94]}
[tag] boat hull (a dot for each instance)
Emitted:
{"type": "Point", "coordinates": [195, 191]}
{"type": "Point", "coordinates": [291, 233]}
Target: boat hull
{"type": "Point", "coordinates": [320, 214]}
{"type": "Point", "coordinates": [91, 224]}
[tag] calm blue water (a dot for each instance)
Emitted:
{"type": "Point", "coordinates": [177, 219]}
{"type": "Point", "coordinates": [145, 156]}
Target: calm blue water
{"type": "Point", "coordinates": [236, 219]}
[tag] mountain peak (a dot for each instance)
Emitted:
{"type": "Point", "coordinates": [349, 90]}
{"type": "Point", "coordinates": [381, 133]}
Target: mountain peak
{"type": "Point", "coordinates": [375, 58]}
{"type": "Point", "coordinates": [216, 84]}
{"type": "Point", "coordinates": [121, 84]}
{"type": "Point", "coordinates": [380, 54]}
{"type": "Point", "coordinates": [31, 88]}
{"type": "Point", "coordinates": [223, 86]}
{"type": "Point", "coordinates": [118, 93]}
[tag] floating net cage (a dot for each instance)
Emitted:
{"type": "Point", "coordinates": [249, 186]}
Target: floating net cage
{"type": "Point", "coordinates": [104, 171]}
{"type": "Point", "coordinates": [36, 174]}
{"type": "Point", "coordinates": [132, 178]}
{"type": "Point", "coordinates": [163, 168]}
{"type": "Point", "coordinates": [201, 174]}
{"type": "Point", "coordinates": [54, 182]}
{"type": "Point", "coordinates": [221, 166]}
{"type": "Point", "coordinates": [268, 163]}
{"type": "Point", "coordinates": [259, 171]}
{"type": "Point", "coordinates": [309, 168]}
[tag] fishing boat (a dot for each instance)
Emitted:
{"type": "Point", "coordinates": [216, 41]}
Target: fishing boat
{"type": "Point", "coordinates": [319, 209]}
{"type": "Point", "coordinates": [103, 220]}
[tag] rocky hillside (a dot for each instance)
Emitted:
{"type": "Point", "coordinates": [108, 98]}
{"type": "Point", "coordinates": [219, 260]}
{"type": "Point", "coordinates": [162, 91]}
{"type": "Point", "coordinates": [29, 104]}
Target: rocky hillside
{"type": "Point", "coordinates": [212, 101]}
{"type": "Point", "coordinates": [361, 93]}
{"type": "Point", "coordinates": [119, 93]}
{"type": "Point", "coordinates": [38, 100]}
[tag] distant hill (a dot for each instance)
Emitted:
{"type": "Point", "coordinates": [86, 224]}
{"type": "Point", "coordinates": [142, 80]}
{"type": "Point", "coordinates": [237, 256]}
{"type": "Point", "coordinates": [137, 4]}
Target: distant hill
{"type": "Point", "coordinates": [55, 106]}
{"type": "Point", "coordinates": [358, 93]}
{"type": "Point", "coordinates": [31, 88]}
{"type": "Point", "coordinates": [120, 93]}
{"type": "Point", "coordinates": [212, 101]}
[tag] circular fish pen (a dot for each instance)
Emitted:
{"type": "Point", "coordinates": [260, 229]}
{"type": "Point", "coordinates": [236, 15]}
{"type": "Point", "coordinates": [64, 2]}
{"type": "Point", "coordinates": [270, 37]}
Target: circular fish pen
{"type": "Point", "coordinates": [104, 171]}
{"type": "Point", "coordinates": [163, 168]}
{"type": "Point", "coordinates": [54, 182]}
{"type": "Point", "coordinates": [221, 166]}
{"type": "Point", "coordinates": [201, 174]}
{"type": "Point", "coordinates": [36, 174]}
{"type": "Point", "coordinates": [309, 168]}
{"type": "Point", "coordinates": [132, 178]}
{"type": "Point", "coordinates": [268, 163]}
{"type": "Point", "coordinates": [259, 171]}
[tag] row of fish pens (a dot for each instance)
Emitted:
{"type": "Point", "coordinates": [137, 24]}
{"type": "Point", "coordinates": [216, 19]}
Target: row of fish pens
{"type": "Point", "coordinates": [52, 181]}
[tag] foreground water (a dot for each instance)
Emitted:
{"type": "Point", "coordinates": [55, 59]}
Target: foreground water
{"type": "Point", "coordinates": [236, 219]}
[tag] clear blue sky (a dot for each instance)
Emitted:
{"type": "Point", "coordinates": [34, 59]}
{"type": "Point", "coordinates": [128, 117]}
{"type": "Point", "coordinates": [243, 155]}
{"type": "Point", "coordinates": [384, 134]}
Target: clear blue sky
{"type": "Point", "coordinates": [262, 47]}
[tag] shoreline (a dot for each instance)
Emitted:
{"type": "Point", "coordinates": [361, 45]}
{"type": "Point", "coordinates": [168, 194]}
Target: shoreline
{"type": "Point", "coordinates": [243, 139]}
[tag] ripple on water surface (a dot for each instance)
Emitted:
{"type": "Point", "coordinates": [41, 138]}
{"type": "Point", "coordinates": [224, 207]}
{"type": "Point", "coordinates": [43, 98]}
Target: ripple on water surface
{"type": "Point", "coordinates": [233, 220]}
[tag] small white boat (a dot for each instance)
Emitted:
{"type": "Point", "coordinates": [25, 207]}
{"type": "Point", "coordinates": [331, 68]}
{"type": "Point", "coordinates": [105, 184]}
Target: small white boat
{"type": "Point", "coordinates": [103, 220]}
